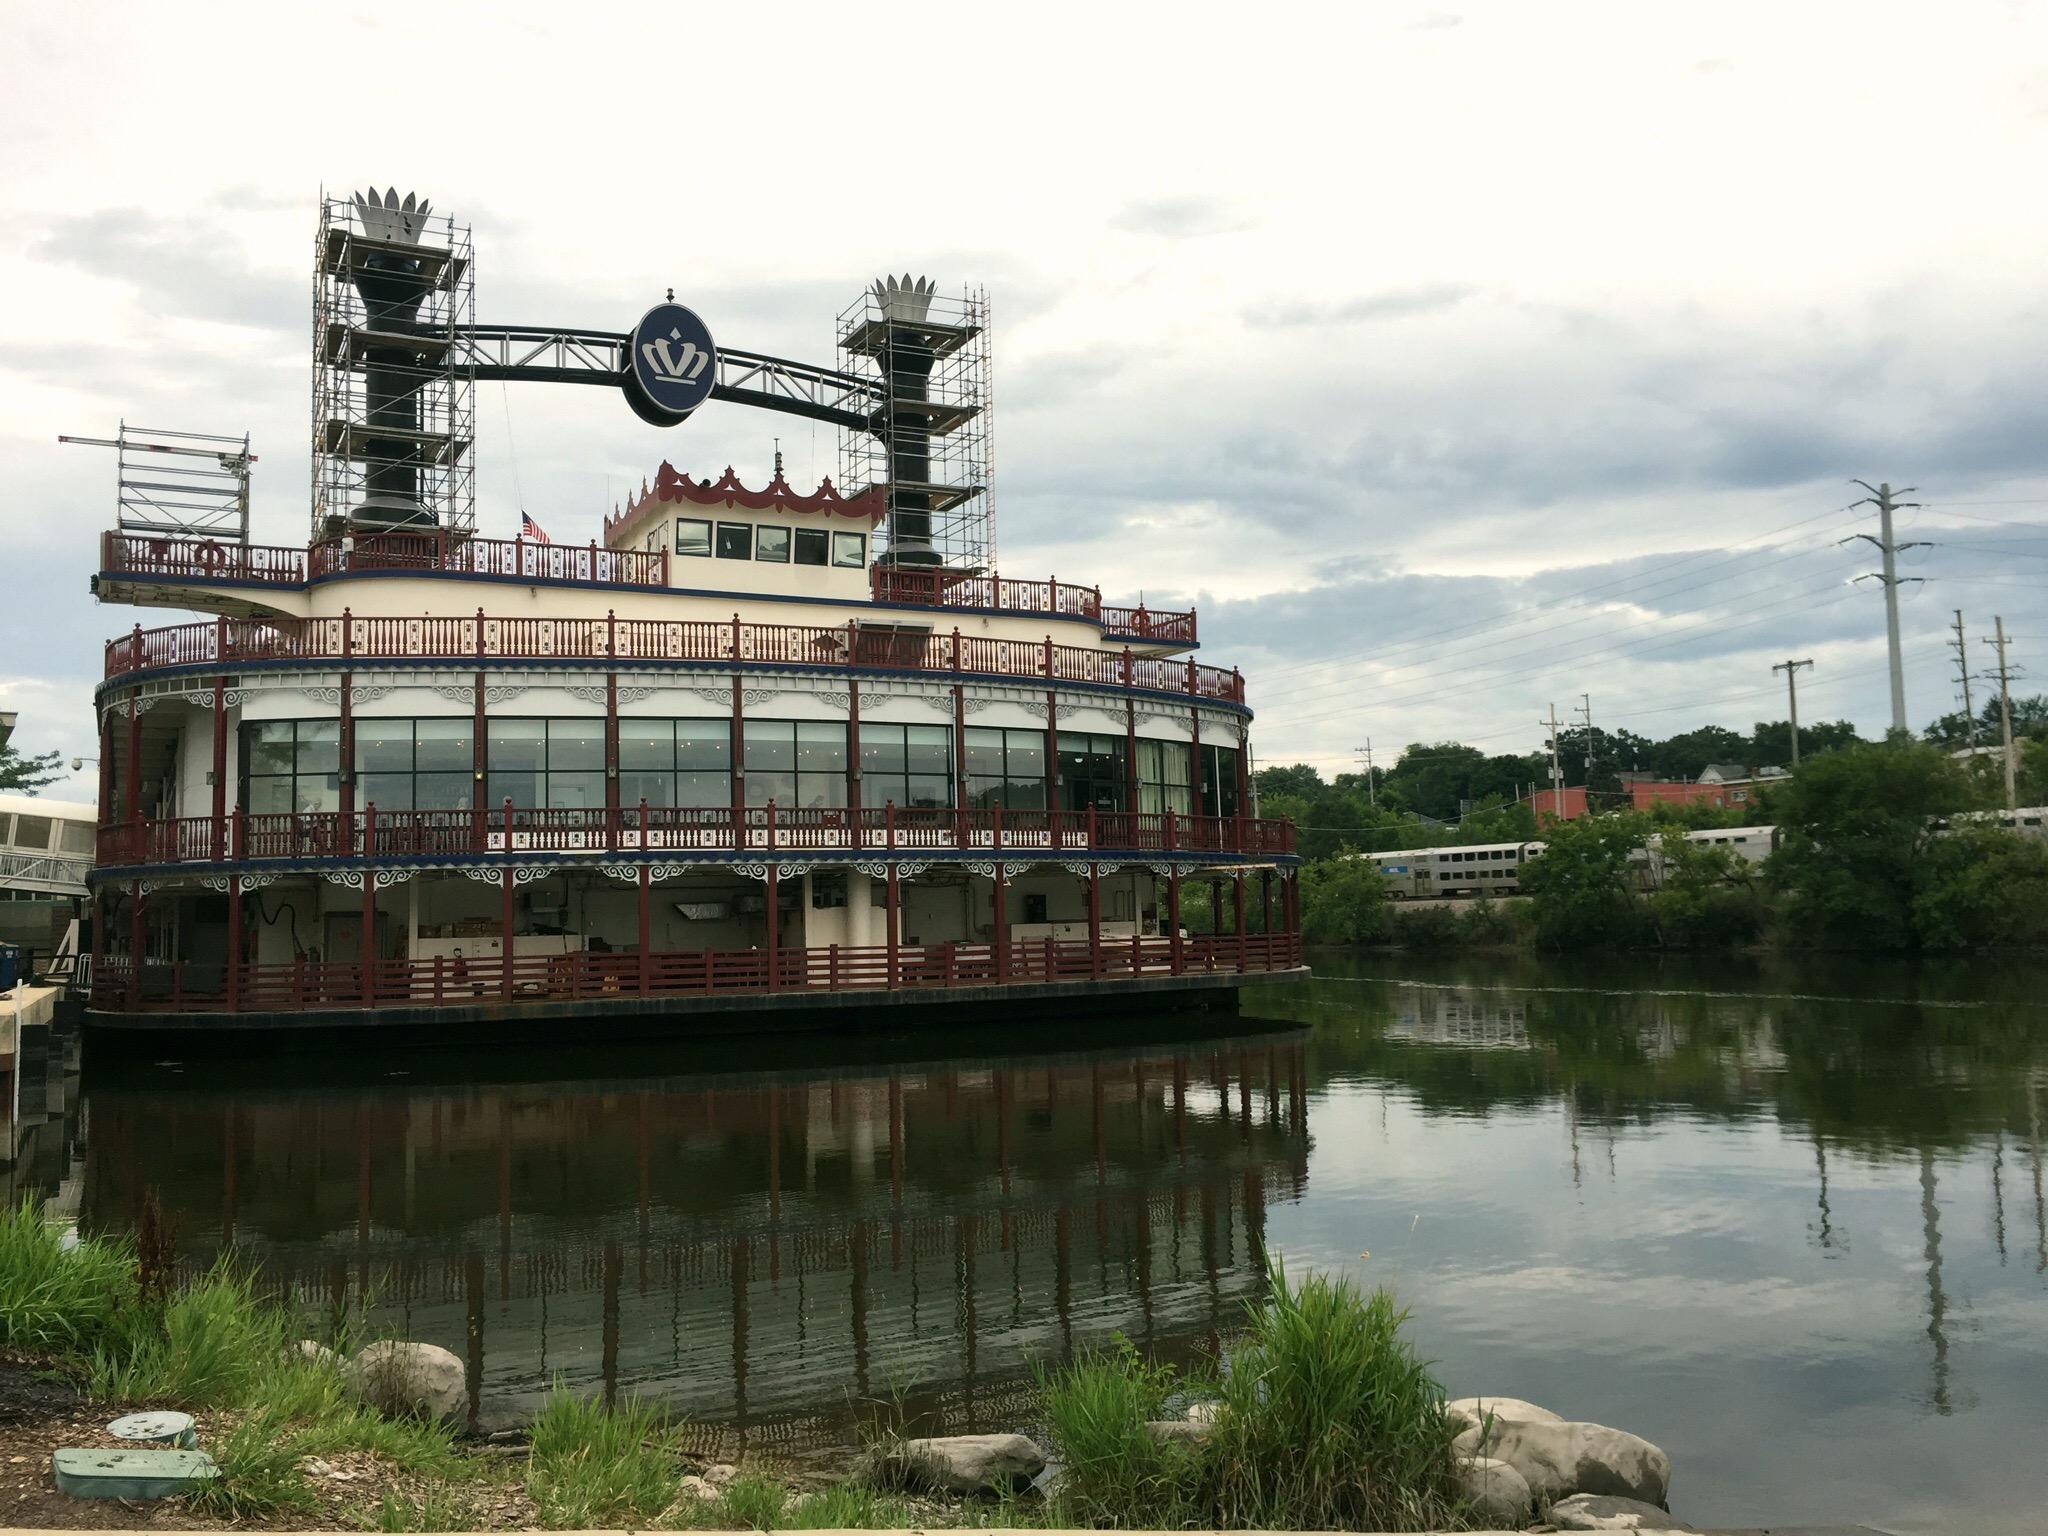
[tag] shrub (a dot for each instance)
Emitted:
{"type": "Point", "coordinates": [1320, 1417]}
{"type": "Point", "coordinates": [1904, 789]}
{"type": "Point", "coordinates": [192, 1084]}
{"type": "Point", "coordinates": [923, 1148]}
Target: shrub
{"type": "Point", "coordinates": [206, 1345]}
{"type": "Point", "coordinates": [1582, 886]}
{"type": "Point", "coordinates": [1329, 1420]}
{"type": "Point", "coordinates": [1113, 1471]}
{"type": "Point", "coordinates": [1343, 901]}
{"type": "Point", "coordinates": [55, 1300]}
{"type": "Point", "coordinates": [592, 1466]}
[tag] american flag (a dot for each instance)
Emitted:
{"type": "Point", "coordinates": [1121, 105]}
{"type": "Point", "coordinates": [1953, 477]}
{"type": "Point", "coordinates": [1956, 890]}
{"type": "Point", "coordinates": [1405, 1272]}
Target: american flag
{"type": "Point", "coordinates": [529, 529]}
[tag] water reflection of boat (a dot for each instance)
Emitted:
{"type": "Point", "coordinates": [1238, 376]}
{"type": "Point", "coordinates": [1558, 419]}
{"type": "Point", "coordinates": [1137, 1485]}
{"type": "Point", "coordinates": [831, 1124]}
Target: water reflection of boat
{"type": "Point", "coordinates": [759, 1251]}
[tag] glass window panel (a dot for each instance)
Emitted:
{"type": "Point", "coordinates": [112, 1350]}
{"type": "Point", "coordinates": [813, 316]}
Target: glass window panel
{"type": "Point", "coordinates": [820, 746]}
{"type": "Point", "coordinates": [735, 541]}
{"type": "Point", "coordinates": [693, 536]}
{"type": "Point", "coordinates": [384, 746]}
{"type": "Point", "coordinates": [575, 791]}
{"type": "Point", "coordinates": [319, 746]}
{"type": "Point", "coordinates": [386, 791]}
{"type": "Point", "coordinates": [316, 792]}
{"type": "Point", "coordinates": [776, 785]}
{"type": "Point", "coordinates": [771, 544]}
{"type": "Point", "coordinates": [1025, 795]}
{"type": "Point", "coordinates": [813, 546]}
{"type": "Point", "coordinates": [443, 746]}
{"type": "Point", "coordinates": [703, 789]}
{"type": "Point", "coordinates": [930, 748]}
{"type": "Point", "coordinates": [76, 837]}
{"type": "Point", "coordinates": [270, 746]}
{"type": "Point", "coordinates": [520, 786]}
{"type": "Point", "coordinates": [930, 790]}
{"type": "Point", "coordinates": [984, 751]}
{"type": "Point", "coordinates": [270, 794]}
{"type": "Point", "coordinates": [704, 744]}
{"type": "Point", "coordinates": [515, 744]}
{"type": "Point", "coordinates": [826, 789]}
{"type": "Point", "coordinates": [849, 549]}
{"type": "Point", "coordinates": [32, 832]}
{"type": "Point", "coordinates": [881, 750]}
{"type": "Point", "coordinates": [441, 791]}
{"type": "Point", "coordinates": [575, 744]}
{"type": "Point", "coordinates": [1025, 752]}
{"type": "Point", "coordinates": [647, 744]}
{"type": "Point", "coordinates": [636, 785]}
{"type": "Point", "coordinates": [770, 744]}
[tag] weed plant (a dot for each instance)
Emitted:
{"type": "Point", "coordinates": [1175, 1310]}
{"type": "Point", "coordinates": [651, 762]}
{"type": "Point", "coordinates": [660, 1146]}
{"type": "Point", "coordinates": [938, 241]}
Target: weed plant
{"type": "Point", "coordinates": [1113, 1471]}
{"type": "Point", "coordinates": [590, 1466]}
{"type": "Point", "coordinates": [752, 1502]}
{"type": "Point", "coordinates": [54, 1300]}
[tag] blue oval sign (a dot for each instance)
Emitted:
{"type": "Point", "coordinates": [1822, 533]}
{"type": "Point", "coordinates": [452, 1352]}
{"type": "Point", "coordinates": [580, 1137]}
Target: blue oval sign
{"type": "Point", "coordinates": [675, 362]}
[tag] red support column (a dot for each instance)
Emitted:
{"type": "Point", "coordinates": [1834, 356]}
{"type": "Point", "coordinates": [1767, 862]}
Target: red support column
{"type": "Point", "coordinates": [132, 775]}
{"type": "Point", "coordinates": [892, 926]}
{"type": "Point", "coordinates": [1173, 914]}
{"type": "Point", "coordinates": [1130, 757]}
{"type": "Point", "coordinates": [1195, 771]}
{"type": "Point", "coordinates": [505, 918]}
{"type": "Point", "coordinates": [738, 750]}
{"type": "Point", "coordinates": [1052, 756]}
{"type": "Point", "coordinates": [479, 758]}
{"type": "Point", "coordinates": [234, 942]}
{"type": "Point", "coordinates": [611, 756]}
{"type": "Point", "coordinates": [853, 800]}
{"type": "Point", "coordinates": [220, 766]}
{"type": "Point", "coordinates": [346, 752]}
{"type": "Point", "coordinates": [1215, 919]}
{"type": "Point", "coordinates": [1001, 925]}
{"type": "Point", "coordinates": [1237, 914]}
{"type": "Point", "coordinates": [1266, 902]}
{"type": "Point", "coordinates": [646, 918]}
{"type": "Point", "coordinates": [959, 754]}
{"type": "Point", "coordinates": [1095, 920]}
{"type": "Point", "coordinates": [774, 911]}
{"type": "Point", "coordinates": [135, 943]}
{"type": "Point", "coordinates": [369, 946]}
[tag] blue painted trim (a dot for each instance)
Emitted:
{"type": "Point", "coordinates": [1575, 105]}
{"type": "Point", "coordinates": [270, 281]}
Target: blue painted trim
{"type": "Point", "coordinates": [497, 579]}
{"type": "Point", "coordinates": [596, 858]}
{"type": "Point", "coordinates": [608, 663]}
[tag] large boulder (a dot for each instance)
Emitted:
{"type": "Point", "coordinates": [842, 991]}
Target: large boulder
{"type": "Point", "coordinates": [1560, 1459]}
{"type": "Point", "coordinates": [1499, 1495]}
{"type": "Point", "coordinates": [965, 1464]}
{"type": "Point", "coordinates": [1606, 1512]}
{"type": "Point", "coordinates": [397, 1377]}
{"type": "Point", "coordinates": [1469, 1412]}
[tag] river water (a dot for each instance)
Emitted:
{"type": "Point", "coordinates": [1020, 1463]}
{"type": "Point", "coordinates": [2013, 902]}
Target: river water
{"type": "Point", "coordinates": [1786, 1220]}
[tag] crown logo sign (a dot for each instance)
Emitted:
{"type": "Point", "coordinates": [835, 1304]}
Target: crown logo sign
{"type": "Point", "coordinates": [675, 365]}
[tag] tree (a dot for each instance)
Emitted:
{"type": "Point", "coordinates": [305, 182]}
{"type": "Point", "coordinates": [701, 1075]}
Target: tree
{"type": "Point", "coordinates": [1706, 894]}
{"type": "Point", "coordinates": [1686, 755]}
{"type": "Point", "coordinates": [1343, 901]}
{"type": "Point", "coordinates": [27, 774]}
{"type": "Point", "coordinates": [1854, 829]}
{"type": "Point", "coordinates": [1981, 885]}
{"type": "Point", "coordinates": [1583, 883]}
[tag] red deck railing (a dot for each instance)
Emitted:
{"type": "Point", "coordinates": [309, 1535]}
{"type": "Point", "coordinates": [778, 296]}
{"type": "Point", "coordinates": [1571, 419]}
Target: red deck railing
{"type": "Point", "coordinates": [374, 833]}
{"type": "Point", "coordinates": [134, 554]}
{"type": "Point", "coordinates": [929, 587]}
{"type": "Point", "coordinates": [443, 981]}
{"type": "Point", "coordinates": [480, 638]}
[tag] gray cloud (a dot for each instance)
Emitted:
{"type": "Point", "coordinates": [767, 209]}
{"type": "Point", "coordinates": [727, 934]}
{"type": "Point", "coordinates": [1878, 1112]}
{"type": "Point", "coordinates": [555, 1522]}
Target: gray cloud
{"type": "Point", "coordinates": [182, 268]}
{"type": "Point", "coordinates": [1180, 218]}
{"type": "Point", "coordinates": [1387, 304]}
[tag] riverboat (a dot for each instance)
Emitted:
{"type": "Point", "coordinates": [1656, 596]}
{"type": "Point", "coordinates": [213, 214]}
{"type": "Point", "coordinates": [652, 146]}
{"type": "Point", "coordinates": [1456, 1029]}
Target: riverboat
{"type": "Point", "coordinates": [760, 750]}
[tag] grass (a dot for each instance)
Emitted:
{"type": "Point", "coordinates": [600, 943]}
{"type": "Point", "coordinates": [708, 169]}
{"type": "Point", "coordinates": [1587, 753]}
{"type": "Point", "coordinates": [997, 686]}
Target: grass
{"type": "Point", "coordinates": [1328, 1422]}
{"type": "Point", "coordinates": [54, 1301]}
{"type": "Point", "coordinates": [206, 1345]}
{"type": "Point", "coordinates": [593, 1466]}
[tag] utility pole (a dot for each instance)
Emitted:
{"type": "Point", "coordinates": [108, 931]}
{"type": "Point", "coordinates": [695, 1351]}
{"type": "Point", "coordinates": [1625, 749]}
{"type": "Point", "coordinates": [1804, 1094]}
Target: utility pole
{"type": "Point", "coordinates": [1585, 713]}
{"type": "Point", "coordinates": [1791, 671]}
{"type": "Point", "coordinates": [2005, 717]}
{"type": "Point", "coordinates": [1371, 797]}
{"type": "Point", "coordinates": [1882, 497]}
{"type": "Point", "coordinates": [1963, 675]}
{"type": "Point", "coordinates": [1556, 769]}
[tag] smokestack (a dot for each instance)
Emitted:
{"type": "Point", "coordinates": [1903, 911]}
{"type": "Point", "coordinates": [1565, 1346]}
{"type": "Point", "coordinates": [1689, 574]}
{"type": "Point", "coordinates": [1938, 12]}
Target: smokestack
{"type": "Point", "coordinates": [392, 285]}
{"type": "Point", "coordinates": [906, 359]}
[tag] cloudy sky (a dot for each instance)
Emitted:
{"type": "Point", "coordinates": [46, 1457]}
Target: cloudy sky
{"type": "Point", "coordinates": [1453, 359]}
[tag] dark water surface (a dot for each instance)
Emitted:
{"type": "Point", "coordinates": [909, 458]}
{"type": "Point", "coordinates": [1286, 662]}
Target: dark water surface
{"type": "Point", "coordinates": [1788, 1220]}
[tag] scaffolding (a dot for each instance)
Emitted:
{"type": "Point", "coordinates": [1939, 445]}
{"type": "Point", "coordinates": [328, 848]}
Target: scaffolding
{"type": "Point", "coordinates": [180, 485]}
{"type": "Point", "coordinates": [394, 419]}
{"type": "Point", "coordinates": [928, 443]}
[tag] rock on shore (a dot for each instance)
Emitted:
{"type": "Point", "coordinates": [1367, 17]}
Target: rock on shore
{"type": "Point", "coordinates": [394, 1376]}
{"type": "Point", "coordinates": [1560, 1457]}
{"type": "Point", "coordinates": [1500, 1495]}
{"type": "Point", "coordinates": [1605, 1512]}
{"type": "Point", "coordinates": [965, 1464]}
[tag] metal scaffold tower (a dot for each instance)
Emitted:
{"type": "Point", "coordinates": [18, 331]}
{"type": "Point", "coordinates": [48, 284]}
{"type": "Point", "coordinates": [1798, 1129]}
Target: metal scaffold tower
{"type": "Point", "coordinates": [179, 485]}
{"type": "Point", "coordinates": [394, 423]}
{"type": "Point", "coordinates": [929, 446]}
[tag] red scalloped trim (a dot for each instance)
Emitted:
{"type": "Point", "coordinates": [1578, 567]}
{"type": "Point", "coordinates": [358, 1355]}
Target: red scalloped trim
{"type": "Point", "coordinates": [672, 485]}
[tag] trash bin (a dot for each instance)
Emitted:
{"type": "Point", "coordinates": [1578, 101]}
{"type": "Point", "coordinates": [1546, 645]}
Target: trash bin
{"type": "Point", "coordinates": [10, 967]}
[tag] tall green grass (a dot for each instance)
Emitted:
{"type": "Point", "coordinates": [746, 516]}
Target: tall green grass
{"type": "Point", "coordinates": [1328, 1422]}
{"type": "Point", "coordinates": [591, 1466]}
{"type": "Point", "coordinates": [55, 1301]}
{"type": "Point", "coordinates": [206, 1345]}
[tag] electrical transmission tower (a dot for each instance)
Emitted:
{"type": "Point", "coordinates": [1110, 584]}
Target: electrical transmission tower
{"type": "Point", "coordinates": [1963, 676]}
{"type": "Point", "coordinates": [1791, 671]}
{"type": "Point", "coordinates": [1882, 497]}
